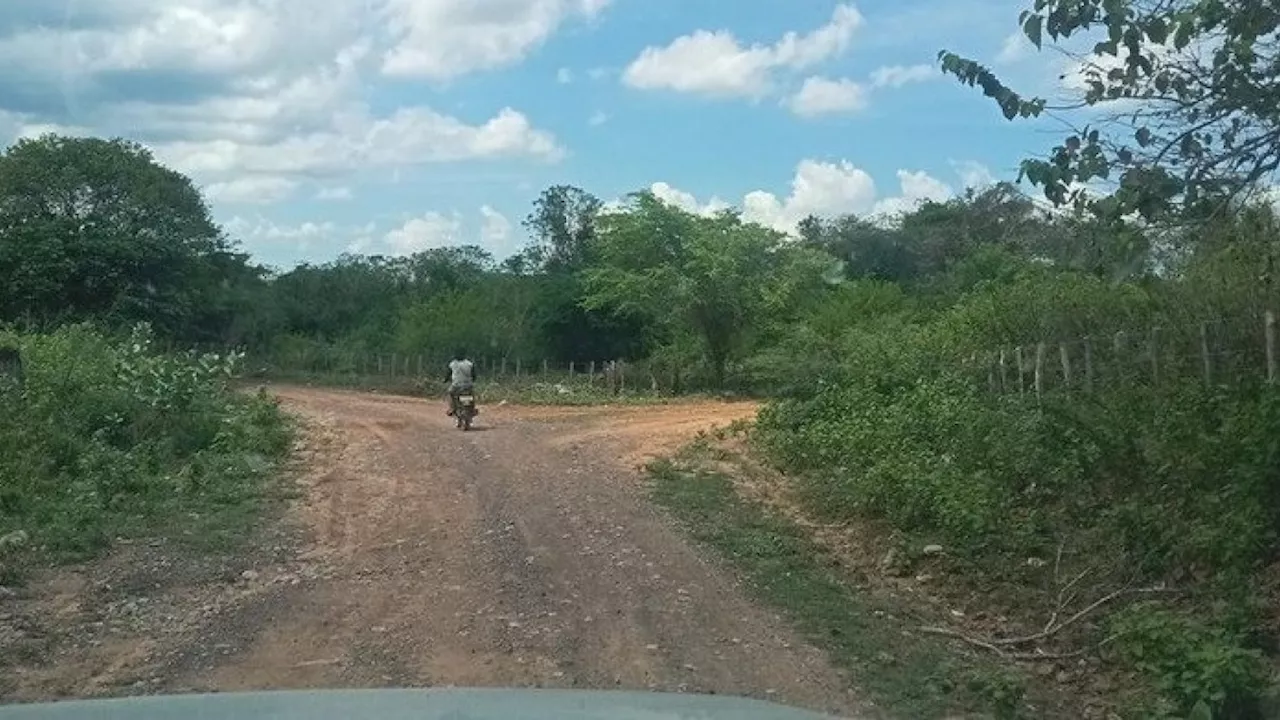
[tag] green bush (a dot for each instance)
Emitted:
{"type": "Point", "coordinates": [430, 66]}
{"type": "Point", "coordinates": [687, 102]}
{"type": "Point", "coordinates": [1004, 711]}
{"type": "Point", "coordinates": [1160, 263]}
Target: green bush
{"type": "Point", "coordinates": [112, 438]}
{"type": "Point", "coordinates": [1176, 480]}
{"type": "Point", "coordinates": [934, 457]}
{"type": "Point", "coordinates": [1197, 668]}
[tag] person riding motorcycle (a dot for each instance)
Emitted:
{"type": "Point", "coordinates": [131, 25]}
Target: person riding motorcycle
{"type": "Point", "coordinates": [461, 376]}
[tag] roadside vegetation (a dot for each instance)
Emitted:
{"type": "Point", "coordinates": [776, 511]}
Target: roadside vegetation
{"type": "Point", "coordinates": [1061, 411]}
{"type": "Point", "coordinates": [105, 438]}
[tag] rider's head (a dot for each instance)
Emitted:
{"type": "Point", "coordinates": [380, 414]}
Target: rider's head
{"type": "Point", "coordinates": [460, 353]}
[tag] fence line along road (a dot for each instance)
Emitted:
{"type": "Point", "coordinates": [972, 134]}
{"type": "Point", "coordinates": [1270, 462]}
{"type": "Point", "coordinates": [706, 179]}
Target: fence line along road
{"type": "Point", "coordinates": [1217, 352]}
{"type": "Point", "coordinates": [609, 373]}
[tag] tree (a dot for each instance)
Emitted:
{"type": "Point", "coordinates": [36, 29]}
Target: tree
{"type": "Point", "coordinates": [562, 225]}
{"type": "Point", "coordinates": [448, 268]}
{"type": "Point", "coordinates": [715, 278]}
{"type": "Point", "coordinates": [97, 230]}
{"type": "Point", "coordinates": [928, 239]}
{"type": "Point", "coordinates": [354, 298]}
{"type": "Point", "coordinates": [865, 248]}
{"type": "Point", "coordinates": [1195, 87]}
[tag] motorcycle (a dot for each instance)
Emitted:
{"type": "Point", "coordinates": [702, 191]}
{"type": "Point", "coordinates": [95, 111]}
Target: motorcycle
{"type": "Point", "coordinates": [464, 408]}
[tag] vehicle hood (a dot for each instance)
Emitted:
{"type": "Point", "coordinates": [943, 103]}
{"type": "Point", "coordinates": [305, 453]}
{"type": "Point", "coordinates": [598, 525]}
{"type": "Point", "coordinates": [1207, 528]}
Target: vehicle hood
{"type": "Point", "coordinates": [425, 704]}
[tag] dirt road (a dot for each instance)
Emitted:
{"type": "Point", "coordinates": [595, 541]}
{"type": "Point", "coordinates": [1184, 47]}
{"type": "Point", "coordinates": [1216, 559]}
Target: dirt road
{"type": "Point", "coordinates": [524, 553]}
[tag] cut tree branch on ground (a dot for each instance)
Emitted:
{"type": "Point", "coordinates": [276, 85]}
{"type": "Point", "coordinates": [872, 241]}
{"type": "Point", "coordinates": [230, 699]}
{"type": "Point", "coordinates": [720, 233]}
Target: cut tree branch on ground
{"type": "Point", "coordinates": [1000, 646]}
{"type": "Point", "coordinates": [1038, 655]}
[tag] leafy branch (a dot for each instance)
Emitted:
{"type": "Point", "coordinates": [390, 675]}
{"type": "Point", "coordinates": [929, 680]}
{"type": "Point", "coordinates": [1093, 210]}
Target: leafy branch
{"type": "Point", "coordinates": [1199, 81]}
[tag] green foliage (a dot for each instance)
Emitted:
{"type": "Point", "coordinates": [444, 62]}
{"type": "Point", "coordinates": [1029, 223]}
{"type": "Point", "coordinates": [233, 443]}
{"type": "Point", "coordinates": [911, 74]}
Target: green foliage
{"type": "Point", "coordinates": [1172, 480]}
{"type": "Point", "coordinates": [873, 335]}
{"type": "Point", "coordinates": [1200, 670]}
{"type": "Point", "coordinates": [1040, 303]}
{"type": "Point", "coordinates": [910, 675]}
{"type": "Point", "coordinates": [685, 274]}
{"type": "Point", "coordinates": [563, 225]}
{"type": "Point", "coordinates": [932, 456]}
{"type": "Point", "coordinates": [112, 438]}
{"type": "Point", "coordinates": [97, 230]}
{"type": "Point", "coordinates": [1198, 82]}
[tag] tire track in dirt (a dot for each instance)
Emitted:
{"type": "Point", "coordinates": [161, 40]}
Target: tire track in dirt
{"type": "Point", "coordinates": [524, 553]}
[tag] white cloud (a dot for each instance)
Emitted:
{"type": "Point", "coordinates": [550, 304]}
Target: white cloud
{"type": "Point", "coordinates": [598, 117]}
{"type": "Point", "coordinates": [301, 236]}
{"type": "Point", "coordinates": [564, 76]}
{"type": "Point", "coordinates": [819, 188]}
{"type": "Point", "coordinates": [915, 187]}
{"type": "Point", "coordinates": [822, 96]}
{"type": "Point", "coordinates": [495, 229]}
{"type": "Point", "coordinates": [443, 39]}
{"type": "Point", "coordinates": [31, 130]}
{"type": "Point", "coordinates": [334, 193]}
{"type": "Point", "coordinates": [232, 93]}
{"type": "Point", "coordinates": [252, 190]}
{"type": "Point", "coordinates": [1014, 48]}
{"type": "Point", "coordinates": [354, 141]}
{"type": "Point", "coordinates": [973, 174]}
{"type": "Point", "coordinates": [710, 63]}
{"type": "Point", "coordinates": [431, 230]}
{"type": "Point", "coordinates": [899, 75]}
{"type": "Point", "coordinates": [717, 64]}
{"type": "Point", "coordinates": [212, 37]}
{"type": "Point", "coordinates": [686, 201]}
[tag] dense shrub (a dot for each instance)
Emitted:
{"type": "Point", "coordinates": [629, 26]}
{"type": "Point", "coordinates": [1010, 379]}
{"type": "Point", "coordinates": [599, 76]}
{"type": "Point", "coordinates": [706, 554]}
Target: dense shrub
{"type": "Point", "coordinates": [1195, 665]}
{"type": "Point", "coordinates": [110, 438]}
{"type": "Point", "coordinates": [1175, 480]}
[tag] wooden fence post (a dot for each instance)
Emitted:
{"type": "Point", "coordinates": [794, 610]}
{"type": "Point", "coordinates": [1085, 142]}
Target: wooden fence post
{"type": "Point", "coordinates": [1118, 347]}
{"type": "Point", "coordinates": [518, 368]}
{"type": "Point", "coordinates": [1206, 359]}
{"type": "Point", "coordinates": [571, 369]}
{"type": "Point", "coordinates": [591, 373]}
{"type": "Point", "coordinates": [1004, 373]}
{"type": "Point", "coordinates": [1271, 346]}
{"type": "Point", "coordinates": [1021, 369]}
{"type": "Point", "coordinates": [1040, 349]}
{"type": "Point", "coordinates": [991, 375]}
{"type": "Point", "coordinates": [503, 371]}
{"type": "Point", "coordinates": [1155, 356]}
{"type": "Point", "coordinates": [1088, 364]}
{"type": "Point", "coordinates": [544, 366]}
{"type": "Point", "coordinates": [1066, 363]}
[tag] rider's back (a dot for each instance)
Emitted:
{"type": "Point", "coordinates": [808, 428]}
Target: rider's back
{"type": "Point", "coordinates": [462, 372]}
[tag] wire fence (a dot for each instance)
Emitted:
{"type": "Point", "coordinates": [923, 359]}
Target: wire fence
{"type": "Point", "coordinates": [425, 370]}
{"type": "Point", "coordinates": [338, 362]}
{"type": "Point", "coordinates": [1222, 351]}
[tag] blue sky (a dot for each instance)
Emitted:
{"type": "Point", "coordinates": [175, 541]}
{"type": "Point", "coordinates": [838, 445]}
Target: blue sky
{"type": "Point", "coordinates": [389, 126]}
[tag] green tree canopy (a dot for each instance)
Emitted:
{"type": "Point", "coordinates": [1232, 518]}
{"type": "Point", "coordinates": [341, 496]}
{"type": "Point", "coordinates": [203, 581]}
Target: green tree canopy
{"type": "Point", "coordinates": [562, 225]}
{"type": "Point", "coordinates": [717, 277]}
{"type": "Point", "coordinates": [97, 229]}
